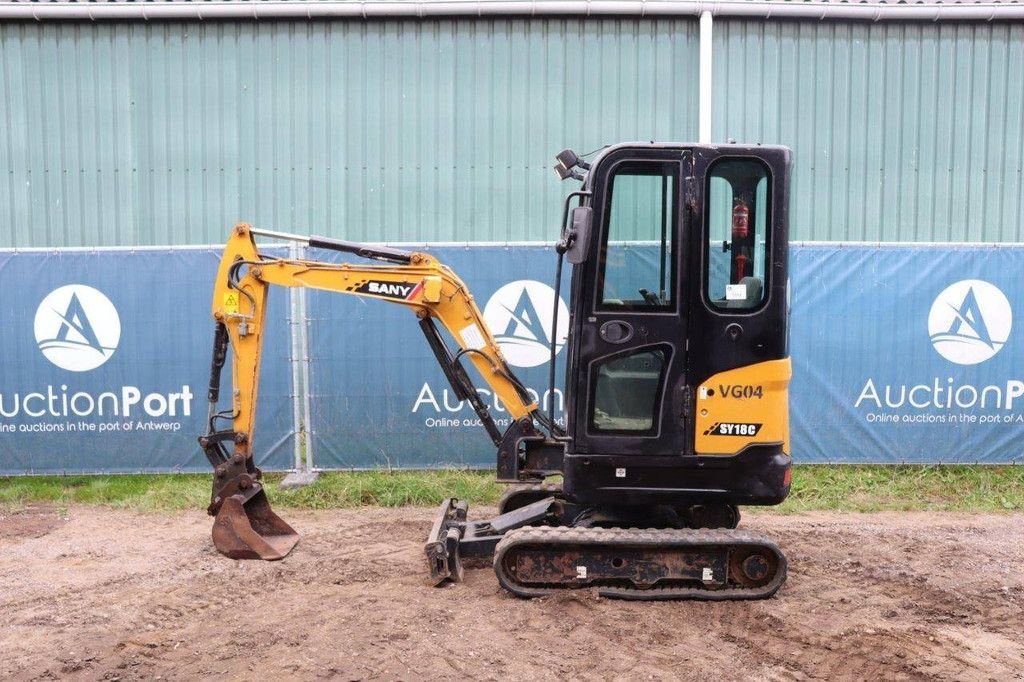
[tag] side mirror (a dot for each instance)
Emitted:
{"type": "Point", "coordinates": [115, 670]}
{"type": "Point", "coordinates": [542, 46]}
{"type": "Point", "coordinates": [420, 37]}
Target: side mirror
{"type": "Point", "coordinates": [582, 222]}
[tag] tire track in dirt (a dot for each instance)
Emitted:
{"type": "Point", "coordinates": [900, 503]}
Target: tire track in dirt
{"type": "Point", "coordinates": [111, 594]}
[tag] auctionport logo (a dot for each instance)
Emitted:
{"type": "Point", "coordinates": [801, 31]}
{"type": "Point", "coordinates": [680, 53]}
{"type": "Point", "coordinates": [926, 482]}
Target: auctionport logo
{"type": "Point", "coordinates": [970, 322]}
{"type": "Point", "coordinates": [519, 315]}
{"type": "Point", "coordinates": [77, 328]}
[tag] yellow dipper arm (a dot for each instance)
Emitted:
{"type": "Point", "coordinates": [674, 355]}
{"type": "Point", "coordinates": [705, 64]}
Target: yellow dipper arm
{"type": "Point", "coordinates": [430, 288]}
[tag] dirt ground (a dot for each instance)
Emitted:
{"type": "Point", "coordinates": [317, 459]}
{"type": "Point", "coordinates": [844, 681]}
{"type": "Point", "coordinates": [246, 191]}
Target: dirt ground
{"type": "Point", "coordinates": [104, 594]}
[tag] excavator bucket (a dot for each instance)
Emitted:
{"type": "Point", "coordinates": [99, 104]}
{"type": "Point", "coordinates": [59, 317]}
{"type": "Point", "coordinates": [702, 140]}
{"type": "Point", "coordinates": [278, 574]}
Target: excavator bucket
{"type": "Point", "coordinates": [249, 529]}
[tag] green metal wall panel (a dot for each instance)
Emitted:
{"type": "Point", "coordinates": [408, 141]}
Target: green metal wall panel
{"type": "Point", "coordinates": [168, 133]}
{"type": "Point", "coordinates": [901, 132]}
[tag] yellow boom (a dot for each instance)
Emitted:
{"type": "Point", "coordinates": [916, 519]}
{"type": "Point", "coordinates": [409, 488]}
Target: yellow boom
{"type": "Point", "coordinates": [245, 525]}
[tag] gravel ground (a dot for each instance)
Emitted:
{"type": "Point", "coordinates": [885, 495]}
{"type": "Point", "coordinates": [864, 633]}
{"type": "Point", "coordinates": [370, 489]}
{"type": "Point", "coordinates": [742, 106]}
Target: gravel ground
{"type": "Point", "coordinates": [96, 593]}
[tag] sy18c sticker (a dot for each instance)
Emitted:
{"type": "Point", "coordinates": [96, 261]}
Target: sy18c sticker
{"type": "Point", "coordinates": [733, 429]}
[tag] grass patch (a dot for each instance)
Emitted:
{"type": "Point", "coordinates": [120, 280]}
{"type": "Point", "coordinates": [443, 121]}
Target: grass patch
{"type": "Point", "coordinates": [845, 488]}
{"type": "Point", "coordinates": [143, 491]}
{"type": "Point", "coordinates": [154, 492]}
{"type": "Point", "coordinates": [389, 489]}
{"type": "Point", "coordinates": [906, 488]}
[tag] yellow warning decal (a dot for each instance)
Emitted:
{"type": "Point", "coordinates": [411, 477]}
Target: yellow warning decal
{"type": "Point", "coordinates": [231, 302]}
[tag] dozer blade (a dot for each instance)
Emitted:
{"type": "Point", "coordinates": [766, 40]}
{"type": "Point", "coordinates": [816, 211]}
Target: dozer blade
{"type": "Point", "coordinates": [442, 546]}
{"type": "Point", "coordinates": [249, 529]}
{"type": "Point", "coordinates": [453, 538]}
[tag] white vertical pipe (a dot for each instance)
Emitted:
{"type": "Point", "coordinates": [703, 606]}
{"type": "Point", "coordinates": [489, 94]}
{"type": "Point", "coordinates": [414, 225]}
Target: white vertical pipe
{"type": "Point", "coordinates": [704, 135]}
{"type": "Point", "coordinates": [296, 322]}
{"type": "Point", "coordinates": [307, 424]}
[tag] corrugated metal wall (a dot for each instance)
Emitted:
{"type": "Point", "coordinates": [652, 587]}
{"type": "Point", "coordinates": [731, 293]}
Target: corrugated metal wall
{"type": "Point", "coordinates": [168, 133]}
{"type": "Point", "coordinates": [901, 132]}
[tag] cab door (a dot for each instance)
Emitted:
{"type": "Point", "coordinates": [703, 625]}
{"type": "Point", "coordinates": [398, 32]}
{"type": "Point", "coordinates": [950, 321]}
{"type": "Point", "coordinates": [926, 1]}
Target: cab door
{"type": "Point", "coordinates": [738, 366]}
{"type": "Point", "coordinates": [630, 387]}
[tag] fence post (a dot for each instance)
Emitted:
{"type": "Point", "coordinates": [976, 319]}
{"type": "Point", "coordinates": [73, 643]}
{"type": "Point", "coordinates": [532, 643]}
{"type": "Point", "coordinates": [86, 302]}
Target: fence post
{"type": "Point", "coordinates": [303, 474]}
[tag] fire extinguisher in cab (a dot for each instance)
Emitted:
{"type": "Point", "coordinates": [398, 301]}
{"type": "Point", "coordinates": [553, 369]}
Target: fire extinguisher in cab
{"type": "Point", "coordinates": [740, 232]}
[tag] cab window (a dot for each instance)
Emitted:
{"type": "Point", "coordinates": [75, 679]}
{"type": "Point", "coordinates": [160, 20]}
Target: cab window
{"type": "Point", "coordinates": [637, 269]}
{"type": "Point", "coordinates": [737, 227]}
{"type": "Point", "coordinates": [626, 390]}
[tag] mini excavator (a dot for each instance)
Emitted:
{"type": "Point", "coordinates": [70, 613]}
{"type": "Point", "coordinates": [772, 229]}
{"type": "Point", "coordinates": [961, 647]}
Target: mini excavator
{"type": "Point", "coordinates": [676, 382]}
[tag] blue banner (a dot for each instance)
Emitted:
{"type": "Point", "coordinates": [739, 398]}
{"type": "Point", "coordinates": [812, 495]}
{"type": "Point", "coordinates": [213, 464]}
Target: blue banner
{"type": "Point", "coordinates": [106, 362]}
{"type": "Point", "coordinates": [907, 353]}
{"type": "Point", "coordinates": [380, 398]}
{"type": "Point", "coordinates": [901, 354]}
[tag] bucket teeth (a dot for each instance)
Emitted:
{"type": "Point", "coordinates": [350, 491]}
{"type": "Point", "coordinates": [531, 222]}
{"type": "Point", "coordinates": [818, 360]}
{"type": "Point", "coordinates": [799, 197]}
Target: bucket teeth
{"type": "Point", "coordinates": [249, 529]}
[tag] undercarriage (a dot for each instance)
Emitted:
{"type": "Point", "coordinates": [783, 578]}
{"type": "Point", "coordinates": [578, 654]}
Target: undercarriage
{"type": "Point", "coordinates": [541, 543]}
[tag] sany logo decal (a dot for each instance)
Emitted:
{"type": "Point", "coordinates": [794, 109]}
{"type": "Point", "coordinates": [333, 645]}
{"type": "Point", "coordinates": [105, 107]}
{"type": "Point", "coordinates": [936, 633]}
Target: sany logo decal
{"type": "Point", "coordinates": [970, 322]}
{"type": "Point", "coordinates": [519, 316]}
{"type": "Point", "coordinates": [77, 328]}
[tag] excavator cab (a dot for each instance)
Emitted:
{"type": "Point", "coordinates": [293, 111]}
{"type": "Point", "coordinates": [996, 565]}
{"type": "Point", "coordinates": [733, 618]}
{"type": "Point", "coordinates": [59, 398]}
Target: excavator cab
{"type": "Point", "coordinates": [678, 365]}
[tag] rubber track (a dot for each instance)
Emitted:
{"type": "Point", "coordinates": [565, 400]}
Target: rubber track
{"type": "Point", "coordinates": [607, 538]}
